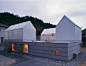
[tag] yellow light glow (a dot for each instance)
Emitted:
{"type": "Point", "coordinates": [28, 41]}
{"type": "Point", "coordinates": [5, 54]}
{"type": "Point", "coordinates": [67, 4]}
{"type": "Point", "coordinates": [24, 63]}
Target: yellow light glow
{"type": "Point", "coordinates": [25, 48]}
{"type": "Point", "coordinates": [13, 47]}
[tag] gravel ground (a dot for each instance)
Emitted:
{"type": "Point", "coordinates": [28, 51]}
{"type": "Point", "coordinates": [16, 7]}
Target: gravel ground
{"type": "Point", "coordinates": [39, 61]}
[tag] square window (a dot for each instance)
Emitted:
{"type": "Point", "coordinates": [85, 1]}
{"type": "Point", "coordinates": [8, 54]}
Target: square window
{"type": "Point", "coordinates": [56, 52]}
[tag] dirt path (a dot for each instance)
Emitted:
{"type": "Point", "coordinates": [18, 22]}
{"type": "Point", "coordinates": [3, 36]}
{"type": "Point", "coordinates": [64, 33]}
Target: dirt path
{"type": "Point", "coordinates": [84, 62]}
{"type": "Point", "coordinates": [83, 49]}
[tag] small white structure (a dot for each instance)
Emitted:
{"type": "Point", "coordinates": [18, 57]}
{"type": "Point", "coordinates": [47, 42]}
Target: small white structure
{"type": "Point", "coordinates": [48, 34]}
{"type": "Point", "coordinates": [22, 32]}
{"type": "Point", "coordinates": [2, 29]}
{"type": "Point", "coordinates": [66, 30]}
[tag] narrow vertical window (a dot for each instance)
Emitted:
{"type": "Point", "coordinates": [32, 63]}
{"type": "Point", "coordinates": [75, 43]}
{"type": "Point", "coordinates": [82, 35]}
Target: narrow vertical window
{"type": "Point", "coordinates": [13, 47]}
{"type": "Point", "coordinates": [25, 48]}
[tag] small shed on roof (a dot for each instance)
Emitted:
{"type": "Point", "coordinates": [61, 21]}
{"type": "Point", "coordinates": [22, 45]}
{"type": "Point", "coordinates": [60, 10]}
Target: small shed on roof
{"type": "Point", "coordinates": [66, 30]}
{"type": "Point", "coordinates": [22, 32]}
{"type": "Point", "coordinates": [48, 34]}
{"type": "Point", "coordinates": [49, 31]}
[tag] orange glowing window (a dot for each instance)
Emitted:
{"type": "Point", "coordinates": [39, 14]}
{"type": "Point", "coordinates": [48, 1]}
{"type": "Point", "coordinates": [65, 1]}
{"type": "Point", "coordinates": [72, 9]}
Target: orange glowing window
{"type": "Point", "coordinates": [13, 47]}
{"type": "Point", "coordinates": [56, 52]}
{"type": "Point", "coordinates": [25, 48]}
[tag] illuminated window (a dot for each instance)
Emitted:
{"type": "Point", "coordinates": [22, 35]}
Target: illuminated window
{"type": "Point", "coordinates": [13, 47]}
{"type": "Point", "coordinates": [56, 52]}
{"type": "Point", "coordinates": [25, 48]}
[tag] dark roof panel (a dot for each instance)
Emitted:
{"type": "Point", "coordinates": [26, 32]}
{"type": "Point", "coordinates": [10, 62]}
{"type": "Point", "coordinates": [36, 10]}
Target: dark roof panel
{"type": "Point", "coordinates": [2, 25]}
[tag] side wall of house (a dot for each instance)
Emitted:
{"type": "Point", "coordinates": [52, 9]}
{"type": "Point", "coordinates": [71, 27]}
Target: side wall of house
{"type": "Point", "coordinates": [48, 50]}
{"type": "Point", "coordinates": [73, 48]}
{"type": "Point", "coordinates": [29, 33]}
{"type": "Point", "coordinates": [78, 34]}
{"type": "Point", "coordinates": [65, 30]}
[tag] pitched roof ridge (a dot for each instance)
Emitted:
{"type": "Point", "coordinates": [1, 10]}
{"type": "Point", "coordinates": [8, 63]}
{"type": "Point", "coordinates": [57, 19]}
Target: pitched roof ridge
{"type": "Point", "coordinates": [71, 21]}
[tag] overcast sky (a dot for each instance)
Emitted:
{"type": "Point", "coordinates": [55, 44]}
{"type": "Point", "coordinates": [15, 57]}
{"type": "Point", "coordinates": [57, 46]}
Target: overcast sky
{"type": "Point", "coordinates": [50, 11]}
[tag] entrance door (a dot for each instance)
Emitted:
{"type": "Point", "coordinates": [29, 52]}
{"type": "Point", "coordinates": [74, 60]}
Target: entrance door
{"type": "Point", "coordinates": [2, 39]}
{"type": "Point", "coordinates": [25, 48]}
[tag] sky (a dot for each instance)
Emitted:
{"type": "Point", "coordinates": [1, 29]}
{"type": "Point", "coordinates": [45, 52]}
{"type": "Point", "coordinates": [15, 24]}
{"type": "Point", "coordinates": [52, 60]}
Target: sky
{"type": "Point", "coordinates": [50, 11]}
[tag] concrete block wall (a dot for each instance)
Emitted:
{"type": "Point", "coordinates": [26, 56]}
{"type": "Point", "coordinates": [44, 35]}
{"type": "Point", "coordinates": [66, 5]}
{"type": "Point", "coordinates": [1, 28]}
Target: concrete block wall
{"type": "Point", "coordinates": [46, 49]}
{"type": "Point", "coordinates": [7, 45]}
{"type": "Point", "coordinates": [72, 48]}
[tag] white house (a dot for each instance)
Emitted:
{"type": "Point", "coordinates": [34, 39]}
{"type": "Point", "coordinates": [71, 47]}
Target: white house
{"type": "Point", "coordinates": [22, 32]}
{"type": "Point", "coordinates": [66, 30]}
{"type": "Point", "coordinates": [48, 34]}
{"type": "Point", "coordinates": [2, 29]}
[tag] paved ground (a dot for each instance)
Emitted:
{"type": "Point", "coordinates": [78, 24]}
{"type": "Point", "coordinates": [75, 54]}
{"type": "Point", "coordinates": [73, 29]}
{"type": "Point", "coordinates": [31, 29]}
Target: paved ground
{"type": "Point", "coordinates": [8, 59]}
{"type": "Point", "coordinates": [5, 61]}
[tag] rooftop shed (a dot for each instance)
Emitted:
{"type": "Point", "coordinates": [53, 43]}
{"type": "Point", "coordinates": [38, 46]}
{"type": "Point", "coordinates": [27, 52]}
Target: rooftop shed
{"type": "Point", "coordinates": [22, 32]}
{"type": "Point", "coordinates": [48, 34]}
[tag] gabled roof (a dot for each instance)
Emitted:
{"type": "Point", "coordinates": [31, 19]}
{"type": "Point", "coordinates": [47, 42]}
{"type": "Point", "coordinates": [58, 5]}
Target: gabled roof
{"type": "Point", "coordinates": [49, 31]}
{"type": "Point", "coordinates": [69, 20]}
{"type": "Point", "coordinates": [18, 26]}
{"type": "Point", "coordinates": [2, 25]}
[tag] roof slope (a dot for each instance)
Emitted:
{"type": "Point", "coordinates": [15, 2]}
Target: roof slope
{"type": "Point", "coordinates": [2, 25]}
{"type": "Point", "coordinates": [69, 20]}
{"type": "Point", "coordinates": [17, 26]}
{"type": "Point", "coordinates": [49, 31]}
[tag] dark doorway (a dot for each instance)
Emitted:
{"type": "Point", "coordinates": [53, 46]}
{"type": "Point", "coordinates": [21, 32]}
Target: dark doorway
{"type": "Point", "coordinates": [2, 39]}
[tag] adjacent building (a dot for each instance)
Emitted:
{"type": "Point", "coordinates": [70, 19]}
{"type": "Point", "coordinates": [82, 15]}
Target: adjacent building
{"type": "Point", "coordinates": [48, 34]}
{"type": "Point", "coordinates": [84, 37]}
{"type": "Point", "coordinates": [2, 29]}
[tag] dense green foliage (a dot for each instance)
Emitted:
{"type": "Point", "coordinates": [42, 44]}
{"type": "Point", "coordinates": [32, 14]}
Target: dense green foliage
{"type": "Point", "coordinates": [11, 19]}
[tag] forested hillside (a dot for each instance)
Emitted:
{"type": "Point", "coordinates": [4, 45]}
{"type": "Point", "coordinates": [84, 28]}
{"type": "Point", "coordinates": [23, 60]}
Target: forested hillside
{"type": "Point", "coordinates": [10, 19]}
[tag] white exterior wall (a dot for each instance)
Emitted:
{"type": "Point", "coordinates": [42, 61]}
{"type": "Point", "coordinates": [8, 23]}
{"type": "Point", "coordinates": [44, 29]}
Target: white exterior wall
{"type": "Point", "coordinates": [29, 33]}
{"type": "Point", "coordinates": [2, 32]}
{"type": "Point", "coordinates": [23, 32]}
{"type": "Point", "coordinates": [78, 34]}
{"type": "Point", "coordinates": [48, 37]}
{"type": "Point", "coordinates": [65, 30]}
{"type": "Point", "coordinates": [14, 34]}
